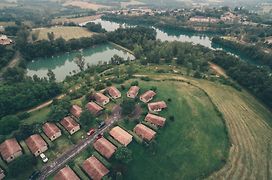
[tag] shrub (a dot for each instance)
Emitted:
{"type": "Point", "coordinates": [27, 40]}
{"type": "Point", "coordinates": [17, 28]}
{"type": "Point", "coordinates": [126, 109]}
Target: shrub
{"type": "Point", "coordinates": [124, 155]}
{"type": "Point", "coordinates": [172, 118]}
{"type": "Point", "coordinates": [23, 115]}
{"type": "Point", "coordinates": [134, 83]}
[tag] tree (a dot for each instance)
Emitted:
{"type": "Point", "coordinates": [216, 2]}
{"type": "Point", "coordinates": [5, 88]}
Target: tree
{"type": "Point", "coordinates": [9, 124]}
{"type": "Point", "coordinates": [87, 119]}
{"type": "Point", "coordinates": [128, 106]}
{"type": "Point", "coordinates": [130, 70]}
{"type": "Point", "coordinates": [80, 61]}
{"type": "Point", "coordinates": [14, 74]}
{"type": "Point", "coordinates": [51, 36]}
{"type": "Point", "coordinates": [51, 75]}
{"type": "Point", "coordinates": [59, 110]}
{"type": "Point", "coordinates": [91, 26]}
{"type": "Point", "coordinates": [124, 155]}
{"type": "Point", "coordinates": [23, 163]}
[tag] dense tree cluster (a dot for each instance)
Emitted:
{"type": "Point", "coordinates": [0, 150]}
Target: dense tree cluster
{"type": "Point", "coordinates": [254, 53]}
{"type": "Point", "coordinates": [93, 27]}
{"type": "Point", "coordinates": [45, 48]}
{"type": "Point", "coordinates": [5, 55]}
{"type": "Point", "coordinates": [18, 96]}
{"type": "Point", "coordinates": [257, 80]}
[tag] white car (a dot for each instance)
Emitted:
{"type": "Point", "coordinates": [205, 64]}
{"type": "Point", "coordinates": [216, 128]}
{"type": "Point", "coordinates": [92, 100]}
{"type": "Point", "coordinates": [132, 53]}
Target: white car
{"type": "Point", "coordinates": [43, 157]}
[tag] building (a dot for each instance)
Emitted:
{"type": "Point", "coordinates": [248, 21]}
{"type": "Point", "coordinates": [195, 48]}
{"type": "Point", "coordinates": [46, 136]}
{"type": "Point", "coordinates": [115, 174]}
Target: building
{"type": "Point", "coordinates": [229, 17]}
{"type": "Point", "coordinates": [104, 147]}
{"type": "Point", "coordinates": [76, 111]}
{"type": "Point", "coordinates": [2, 174]}
{"type": "Point", "coordinates": [10, 150]}
{"type": "Point", "coordinates": [70, 125]}
{"type": "Point", "coordinates": [121, 135]}
{"type": "Point", "coordinates": [114, 92]}
{"type": "Point", "coordinates": [147, 96]}
{"type": "Point", "coordinates": [36, 144]}
{"type": "Point", "coordinates": [94, 108]}
{"type": "Point", "coordinates": [154, 119]}
{"type": "Point", "coordinates": [94, 168]}
{"type": "Point", "coordinates": [101, 98]}
{"type": "Point", "coordinates": [66, 173]}
{"type": "Point", "coordinates": [133, 92]}
{"type": "Point", "coordinates": [202, 19]}
{"type": "Point", "coordinates": [144, 132]}
{"type": "Point", "coordinates": [156, 106]}
{"type": "Point", "coordinates": [51, 130]}
{"type": "Point", "coordinates": [4, 40]}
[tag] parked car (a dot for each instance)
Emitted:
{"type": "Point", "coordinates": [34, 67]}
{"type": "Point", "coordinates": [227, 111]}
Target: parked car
{"type": "Point", "coordinates": [43, 157]}
{"type": "Point", "coordinates": [91, 132]}
{"type": "Point", "coordinates": [102, 124]}
{"type": "Point", "coordinates": [99, 136]}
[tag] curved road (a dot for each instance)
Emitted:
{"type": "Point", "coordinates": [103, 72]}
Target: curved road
{"type": "Point", "coordinates": [61, 161]}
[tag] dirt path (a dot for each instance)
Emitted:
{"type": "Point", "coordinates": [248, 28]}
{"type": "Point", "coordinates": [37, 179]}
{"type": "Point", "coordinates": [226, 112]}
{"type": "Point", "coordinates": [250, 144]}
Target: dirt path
{"type": "Point", "coordinates": [250, 155]}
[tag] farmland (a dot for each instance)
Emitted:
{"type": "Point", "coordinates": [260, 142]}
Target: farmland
{"type": "Point", "coordinates": [65, 32]}
{"type": "Point", "coordinates": [85, 5]}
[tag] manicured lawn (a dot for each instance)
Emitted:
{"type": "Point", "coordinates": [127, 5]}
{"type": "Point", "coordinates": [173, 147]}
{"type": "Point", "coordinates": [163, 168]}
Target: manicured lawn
{"type": "Point", "coordinates": [190, 147]}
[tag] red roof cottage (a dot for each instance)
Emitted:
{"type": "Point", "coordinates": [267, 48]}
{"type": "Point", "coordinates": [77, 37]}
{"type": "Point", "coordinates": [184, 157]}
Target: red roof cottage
{"type": "Point", "coordinates": [144, 132]}
{"type": "Point", "coordinates": [36, 144]}
{"type": "Point", "coordinates": [94, 108]}
{"type": "Point", "coordinates": [10, 149]}
{"type": "Point", "coordinates": [133, 92]}
{"type": "Point", "coordinates": [51, 130]}
{"type": "Point", "coordinates": [147, 96]}
{"type": "Point", "coordinates": [101, 98]}
{"type": "Point", "coordinates": [154, 119]}
{"type": "Point", "coordinates": [121, 135]}
{"type": "Point", "coordinates": [156, 106]}
{"type": "Point", "coordinates": [114, 92]}
{"type": "Point", "coordinates": [104, 147]}
{"type": "Point", "coordinates": [94, 168]}
{"type": "Point", "coordinates": [76, 111]}
{"type": "Point", "coordinates": [66, 173]}
{"type": "Point", "coordinates": [70, 125]}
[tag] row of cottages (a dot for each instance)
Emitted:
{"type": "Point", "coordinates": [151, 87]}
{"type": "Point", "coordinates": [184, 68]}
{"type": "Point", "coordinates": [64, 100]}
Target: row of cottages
{"type": "Point", "coordinates": [2, 174]}
{"type": "Point", "coordinates": [94, 168]}
{"type": "Point", "coordinates": [122, 136]}
{"type": "Point", "coordinates": [147, 96]}
{"type": "Point", "coordinates": [101, 99]}
{"type": "Point", "coordinates": [144, 132]}
{"type": "Point", "coordinates": [70, 125]}
{"type": "Point", "coordinates": [36, 144]}
{"type": "Point", "coordinates": [114, 92]}
{"type": "Point", "coordinates": [94, 108]}
{"type": "Point", "coordinates": [10, 150]}
{"type": "Point", "coordinates": [51, 130]}
{"type": "Point", "coordinates": [155, 119]}
{"type": "Point", "coordinates": [133, 92]}
{"type": "Point", "coordinates": [76, 111]}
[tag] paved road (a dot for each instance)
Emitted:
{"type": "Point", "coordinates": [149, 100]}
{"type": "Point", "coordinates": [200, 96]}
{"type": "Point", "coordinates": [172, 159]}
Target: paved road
{"type": "Point", "coordinates": [61, 161]}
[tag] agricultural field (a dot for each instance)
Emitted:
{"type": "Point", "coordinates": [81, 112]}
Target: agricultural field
{"type": "Point", "coordinates": [86, 5]}
{"type": "Point", "coordinates": [65, 32]}
{"type": "Point", "coordinates": [78, 20]}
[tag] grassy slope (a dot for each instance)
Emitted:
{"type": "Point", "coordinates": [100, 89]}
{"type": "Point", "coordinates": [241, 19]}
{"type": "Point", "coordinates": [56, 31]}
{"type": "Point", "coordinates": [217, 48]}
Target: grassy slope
{"type": "Point", "coordinates": [191, 146]}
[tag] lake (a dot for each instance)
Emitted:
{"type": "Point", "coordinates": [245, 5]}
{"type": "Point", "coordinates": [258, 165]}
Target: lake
{"type": "Point", "coordinates": [63, 65]}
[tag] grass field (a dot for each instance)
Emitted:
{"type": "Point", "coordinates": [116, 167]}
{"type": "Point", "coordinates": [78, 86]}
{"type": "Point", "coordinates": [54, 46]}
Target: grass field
{"type": "Point", "coordinates": [62, 31]}
{"type": "Point", "coordinates": [86, 5]}
{"type": "Point", "coordinates": [192, 146]}
{"type": "Point", "coordinates": [249, 127]}
{"type": "Point", "coordinates": [78, 20]}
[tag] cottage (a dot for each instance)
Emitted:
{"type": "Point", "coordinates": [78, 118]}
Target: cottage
{"type": "Point", "coordinates": [70, 125]}
{"type": "Point", "coordinates": [36, 144]}
{"type": "Point", "coordinates": [2, 174]}
{"type": "Point", "coordinates": [4, 40]}
{"type": "Point", "coordinates": [121, 135]}
{"type": "Point", "coordinates": [76, 111]}
{"type": "Point", "coordinates": [94, 168]}
{"type": "Point", "coordinates": [10, 150]}
{"type": "Point", "coordinates": [157, 106]}
{"type": "Point", "coordinates": [114, 92]}
{"type": "Point", "coordinates": [133, 92]}
{"type": "Point", "coordinates": [147, 96]}
{"type": "Point", "coordinates": [202, 19]}
{"type": "Point", "coordinates": [94, 108]}
{"type": "Point", "coordinates": [154, 119]}
{"type": "Point", "coordinates": [104, 147]}
{"type": "Point", "coordinates": [51, 130]}
{"type": "Point", "coordinates": [144, 132]}
{"type": "Point", "coordinates": [66, 173]}
{"type": "Point", "coordinates": [101, 98]}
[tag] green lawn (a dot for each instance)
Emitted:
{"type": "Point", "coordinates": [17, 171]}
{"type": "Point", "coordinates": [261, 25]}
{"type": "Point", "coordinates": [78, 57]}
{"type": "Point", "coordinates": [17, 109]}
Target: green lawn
{"type": "Point", "coordinates": [190, 147]}
{"type": "Point", "coordinates": [39, 116]}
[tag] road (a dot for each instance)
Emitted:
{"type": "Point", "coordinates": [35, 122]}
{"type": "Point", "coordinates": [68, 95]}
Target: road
{"type": "Point", "coordinates": [61, 161]}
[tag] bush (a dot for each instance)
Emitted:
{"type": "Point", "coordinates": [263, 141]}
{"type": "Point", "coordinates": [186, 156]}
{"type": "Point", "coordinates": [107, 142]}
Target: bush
{"type": "Point", "coordinates": [145, 78]}
{"type": "Point", "coordinates": [134, 83]}
{"type": "Point", "coordinates": [21, 164]}
{"type": "Point", "coordinates": [23, 115]}
{"type": "Point", "coordinates": [124, 155]}
{"type": "Point", "coordinates": [153, 88]}
{"type": "Point", "coordinates": [172, 118]}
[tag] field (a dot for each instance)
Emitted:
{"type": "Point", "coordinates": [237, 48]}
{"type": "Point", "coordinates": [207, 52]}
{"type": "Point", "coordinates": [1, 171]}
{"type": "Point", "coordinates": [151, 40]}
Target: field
{"type": "Point", "coordinates": [78, 20]}
{"type": "Point", "coordinates": [86, 5]}
{"type": "Point", "coordinates": [66, 32]}
{"type": "Point", "coordinates": [249, 127]}
{"type": "Point", "coordinates": [190, 147]}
